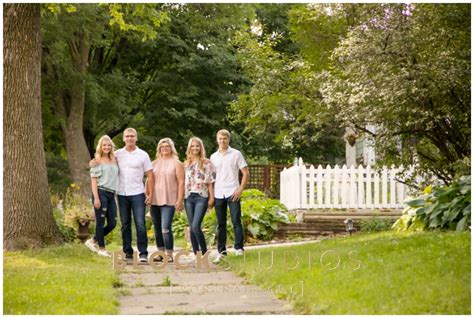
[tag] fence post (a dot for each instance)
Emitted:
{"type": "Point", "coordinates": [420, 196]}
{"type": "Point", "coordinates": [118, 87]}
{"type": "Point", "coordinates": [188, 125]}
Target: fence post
{"type": "Point", "coordinates": [400, 190]}
{"type": "Point", "coordinates": [327, 186]}
{"type": "Point", "coordinates": [352, 188]}
{"type": "Point", "coordinates": [303, 186]}
{"type": "Point", "coordinates": [344, 187]}
{"type": "Point", "coordinates": [312, 172]}
{"type": "Point", "coordinates": [368, 188]}
{"type": "Point", "coordinates": [319, 193]}
{"type": "Point", "coordinates": [360, 187]}
{"type": "Point", "coordinates": [283, 187]}
{"type": "Point", "coordinates": [295, 187]}
{"type": "Point", "coordinates": [376, 190]}
{"type": "Point", "coordinates": [393, 192]}
{"type": "Point", "coordinates": [335, 199]}
{"type": "Point", "coordinates": [384, 187]}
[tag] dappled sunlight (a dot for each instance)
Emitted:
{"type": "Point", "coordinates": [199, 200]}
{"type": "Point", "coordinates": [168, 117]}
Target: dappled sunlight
{"type": "Point", "coordinates": [18, 261]}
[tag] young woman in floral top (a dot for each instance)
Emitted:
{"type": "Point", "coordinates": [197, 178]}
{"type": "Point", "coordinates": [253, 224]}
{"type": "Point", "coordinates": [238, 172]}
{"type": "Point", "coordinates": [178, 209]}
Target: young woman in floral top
{"type": "Point", "coordinates": [199, 190]}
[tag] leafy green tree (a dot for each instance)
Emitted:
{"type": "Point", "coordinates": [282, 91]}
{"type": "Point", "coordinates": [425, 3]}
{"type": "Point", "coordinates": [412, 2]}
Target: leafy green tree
{"type": "Point", "coordinates": [80, 46]}
{"type": "Point", "coordinates": [318, 29]}
{"type": "Point", "coordinates": [172, 80]}
{"type": "Point", "coordinates": [406, 70]}
{"type": "Point", "coordinates": [282, 115]}
{"type": "Point", "coordinates": [274, 19]}
{"type": "Point", "coordinates": [188, 75]}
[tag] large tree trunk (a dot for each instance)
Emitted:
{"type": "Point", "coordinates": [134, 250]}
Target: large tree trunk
{"type": "Point", "coordinates": [76, 146]}
{"type": "Point", "coordinates": [72, 112]}
{"type": "Point", "coordinates": [28, 219]}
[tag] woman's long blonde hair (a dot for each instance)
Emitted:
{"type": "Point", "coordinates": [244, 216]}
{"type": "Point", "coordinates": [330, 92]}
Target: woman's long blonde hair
{"type": "Point", "coordinates": [169, 142]}
{"type": "Point", "coordinates": [202, 154]}
{"type": "Point", "coordinates": [98, 149]}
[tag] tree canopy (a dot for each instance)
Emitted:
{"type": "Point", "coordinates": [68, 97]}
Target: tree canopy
{"type": "Point", "coordinates": [285, 79]}
{"type": "Point", "coordinates": [406, 70]}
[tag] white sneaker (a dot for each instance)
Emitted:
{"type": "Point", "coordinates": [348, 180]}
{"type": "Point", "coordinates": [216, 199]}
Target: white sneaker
{"type": "Point", "coordinates": [218, 258]}
{"type": "Point", "coordinates": [143, 260]}
{"type": "Point", "coordinates": [104, 253]}
{"type": "Point", "coordinates": [239, 252]}
{"type": "Point", "coordinates": [91, 245]}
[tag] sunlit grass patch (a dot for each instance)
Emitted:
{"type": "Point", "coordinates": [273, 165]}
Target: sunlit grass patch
{"type": "Point", "coordinates": [67, 279]}
{"type": "Point", "coordinates": [381, 273]}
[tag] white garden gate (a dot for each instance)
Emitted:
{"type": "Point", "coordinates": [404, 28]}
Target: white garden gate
{"type": "Point", "coordinates": [340, 188]}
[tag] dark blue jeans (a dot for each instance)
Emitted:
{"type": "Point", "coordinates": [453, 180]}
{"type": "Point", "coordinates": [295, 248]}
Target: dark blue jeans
{"type": "Point", "coordinates": [236, 217]}
{"type": "Point", "coordinates": [162, 218]}
{"type": "Point", "coordinates": [106, 212]}
{"type": "Point", "coordinates": [196, 207]}
{"type": "Point", "coordinates": [127, 205]}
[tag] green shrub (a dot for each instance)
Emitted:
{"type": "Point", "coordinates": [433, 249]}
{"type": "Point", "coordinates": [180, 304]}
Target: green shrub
{"type": "Point", "coordinates": [180, 222]}
{"type": "Point", "coordinates": [375, 224]}
{"type": "Point", "coordinates": [447, 207]}
{"type": "Point", "coordinates": [261, 216]}
{"type": "Point", "coordinates": [68, 233]}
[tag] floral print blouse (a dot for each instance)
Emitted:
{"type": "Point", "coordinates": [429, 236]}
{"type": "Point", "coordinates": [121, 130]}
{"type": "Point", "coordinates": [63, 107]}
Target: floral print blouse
{"type": "Point", "coordinates": [196, 180]}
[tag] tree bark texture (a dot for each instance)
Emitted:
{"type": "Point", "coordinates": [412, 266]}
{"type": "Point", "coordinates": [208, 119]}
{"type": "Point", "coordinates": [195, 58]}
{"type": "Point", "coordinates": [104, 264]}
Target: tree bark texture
{"type": "Point", "coordinates": [76, 147]}
{"type": "Point", "coordinates": [28, 219]}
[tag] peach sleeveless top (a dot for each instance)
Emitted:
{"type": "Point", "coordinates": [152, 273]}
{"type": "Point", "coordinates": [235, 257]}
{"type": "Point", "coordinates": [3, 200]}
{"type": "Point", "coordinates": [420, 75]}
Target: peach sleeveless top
{"type": "Point", "coordinates": [166, 182]}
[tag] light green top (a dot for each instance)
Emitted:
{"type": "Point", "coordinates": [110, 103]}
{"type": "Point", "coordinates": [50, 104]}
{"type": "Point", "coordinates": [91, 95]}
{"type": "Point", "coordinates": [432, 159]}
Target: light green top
{"type": "Point", "coordinates": [107, 176]}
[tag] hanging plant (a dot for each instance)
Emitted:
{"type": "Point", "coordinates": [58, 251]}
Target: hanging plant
{"type": "Point", "coordinates": [351, 138]}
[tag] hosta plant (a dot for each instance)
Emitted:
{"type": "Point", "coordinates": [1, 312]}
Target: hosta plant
{"type": "Point", "coordinates": [447, 207]}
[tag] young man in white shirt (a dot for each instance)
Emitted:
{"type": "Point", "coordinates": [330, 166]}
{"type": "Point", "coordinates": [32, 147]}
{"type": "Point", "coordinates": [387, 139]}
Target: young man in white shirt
{"type": "Point", "coordinates": [132, 196]}
{"type": "Point", "coordinates": [227, 191]}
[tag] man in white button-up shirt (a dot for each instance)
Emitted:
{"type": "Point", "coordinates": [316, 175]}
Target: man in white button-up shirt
{"type": "Point", "coordinates": [227, 191]}
{"type": "Point", "coordinates": [133, 164]}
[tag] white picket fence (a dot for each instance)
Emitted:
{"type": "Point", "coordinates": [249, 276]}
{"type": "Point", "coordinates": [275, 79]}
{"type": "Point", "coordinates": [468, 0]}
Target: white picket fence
{"type": "Point", "coordinates": [340, 188]}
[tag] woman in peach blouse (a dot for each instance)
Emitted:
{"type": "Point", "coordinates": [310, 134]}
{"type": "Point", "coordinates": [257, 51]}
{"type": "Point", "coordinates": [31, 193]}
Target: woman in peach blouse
{"type": "Point", "coordinates": [199, 190]}
{"type": "Point", "coordinates": [167, 195]}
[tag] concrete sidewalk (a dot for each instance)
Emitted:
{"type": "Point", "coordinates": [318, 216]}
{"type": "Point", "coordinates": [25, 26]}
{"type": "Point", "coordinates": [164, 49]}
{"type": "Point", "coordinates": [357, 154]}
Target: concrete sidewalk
{"type": "Point", "coordinates": [193, 290]}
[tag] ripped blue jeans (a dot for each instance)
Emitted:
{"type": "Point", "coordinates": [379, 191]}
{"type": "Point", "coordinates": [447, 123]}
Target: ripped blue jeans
{"type": "Point", "coordinates": [162, 218]}
{"type": "Point", "coordinates": [106, 212]}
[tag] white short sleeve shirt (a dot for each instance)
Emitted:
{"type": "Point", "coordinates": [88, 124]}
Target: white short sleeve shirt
{"type": "Point", "coordinates": [227, 167]}
{"type": "Point", "coordinates": [132, 167]}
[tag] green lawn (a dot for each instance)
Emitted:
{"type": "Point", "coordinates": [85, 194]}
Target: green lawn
{"type": "Point", "coordinates": [67, 279]}
{"type": "Point", "coordinates": [386, 273]}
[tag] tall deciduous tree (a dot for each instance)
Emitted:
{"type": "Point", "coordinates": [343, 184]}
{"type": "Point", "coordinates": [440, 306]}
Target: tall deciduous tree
{"type": "Point", "coordinates": [187, 76]}
{"type": "Point", "coordinates": [80, 48]}
{"type": "Point", "coordinates": [283, 115]}
{"type": "Point", "coordinates": [28, 219]}
{"type": "Point", "coordinates": [406, 69]}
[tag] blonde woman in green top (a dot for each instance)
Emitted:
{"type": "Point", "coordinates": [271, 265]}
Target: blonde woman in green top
{"type": "Point", "coordinates": [104, 180]}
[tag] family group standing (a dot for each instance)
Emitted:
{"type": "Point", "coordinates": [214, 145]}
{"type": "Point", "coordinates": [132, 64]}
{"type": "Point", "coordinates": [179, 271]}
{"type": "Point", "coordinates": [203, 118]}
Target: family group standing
{"type": "Point", "coordinates": [198, 184]}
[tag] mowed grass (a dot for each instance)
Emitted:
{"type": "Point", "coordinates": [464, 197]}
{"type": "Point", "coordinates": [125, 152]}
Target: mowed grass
{"type": "Point", "coordinates": [66, 279]}
{"type": "Point", "coordinates": [381, 273]}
